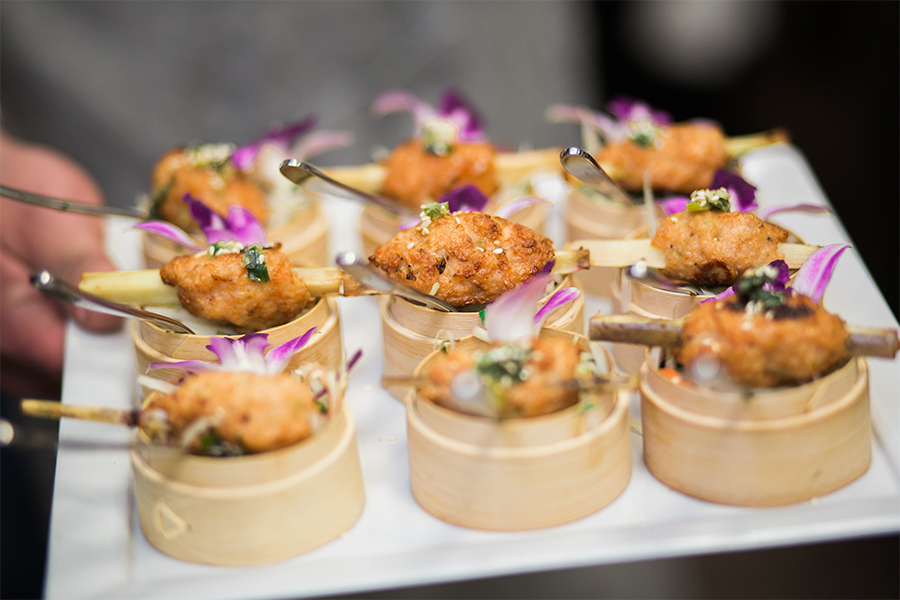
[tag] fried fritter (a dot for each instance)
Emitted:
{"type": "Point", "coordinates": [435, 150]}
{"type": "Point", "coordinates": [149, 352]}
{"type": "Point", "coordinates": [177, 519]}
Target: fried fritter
{"type": "Point", "coordinates": [219, 289]}
{"type": "Point", "coordinates": [792, 343]}
{"type": "Point", "coordinates": [471, 257]}
{"type": "Point", "coordinates": [712, 248]}
{"type": "Point", "coordinates": [523, 380]}
{"type": "Point", "coordinates": [684, 159]}
{"type": "Point", "coordinates": [416, 177]}
{"type": "Point", "coordinates": [256, 412]}
{"type": "Point", "coordinates": [219, 188]}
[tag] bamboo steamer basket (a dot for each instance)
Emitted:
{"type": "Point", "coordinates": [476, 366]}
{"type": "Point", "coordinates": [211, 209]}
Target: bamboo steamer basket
{"type": "Point", "coordinates": [517, 474]}
{"type": "Point", "coordinates": [378, 226]}
{"type": "Point", "coordinates": [647, 299]}
{"type": "Point", "coordinates": [765, 447]}
{"type": "Point", "coordinates": [304, 239]}
{"type": "Point", "coordinates": [411, 332]}
{"type": "Point", "coordinates": [590, 217]}
{"type": "Point", "coordinates": [253, 509]}
{"type": "Point", "coordinates": [152, 344]}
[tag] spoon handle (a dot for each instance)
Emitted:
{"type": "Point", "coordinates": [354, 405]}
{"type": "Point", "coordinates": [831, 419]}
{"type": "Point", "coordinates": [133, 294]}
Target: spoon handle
{"type": "Point", "coordinates": [585, 169]}
{"type": "Point", "coordinates": [68, 206]}
{"type": "Point", "coordinates": [308, 176]}
{"type": "Point", "coordinates": [56, 288]}
{"type": "Point", "coordinates": [370, 276]}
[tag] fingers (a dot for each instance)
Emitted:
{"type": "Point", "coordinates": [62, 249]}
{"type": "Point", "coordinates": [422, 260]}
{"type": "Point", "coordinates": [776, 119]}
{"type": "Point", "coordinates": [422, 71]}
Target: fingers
{"type": "Point", "coordinates": [32, 326]}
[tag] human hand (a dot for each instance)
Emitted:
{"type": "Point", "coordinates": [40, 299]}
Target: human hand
{"type": "Point", "coordinates": [32, 326]}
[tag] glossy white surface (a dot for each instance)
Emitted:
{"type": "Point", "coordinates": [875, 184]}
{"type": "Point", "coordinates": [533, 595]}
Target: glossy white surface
{"type": "Point", "coordinates": [97, 550]}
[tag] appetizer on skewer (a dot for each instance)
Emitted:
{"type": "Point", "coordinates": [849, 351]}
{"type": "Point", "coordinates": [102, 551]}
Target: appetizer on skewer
{"type": "Point", "coordinates": [758, 397]}
{"type": "Point", "coordinates": [223, 176]}
{"type": "Point", "coordinates": [240, 449]}
{"type": "Point", "coordinates": [449, 149]}
{"type": "Point", "coordinates": [635, 139]}
{"type": "Point", "coordinates": [525, 430]}
{"type": "Point", "coordinates": [237, 279]}
{"type": "Point", "coordinates": [760, 333]}
{"type": "Point", "coordinates": [704, 242]}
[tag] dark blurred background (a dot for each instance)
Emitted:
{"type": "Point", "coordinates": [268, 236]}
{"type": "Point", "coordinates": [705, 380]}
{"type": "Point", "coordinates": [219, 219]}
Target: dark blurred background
{"type": "Point", "coordinates": [827, 72]}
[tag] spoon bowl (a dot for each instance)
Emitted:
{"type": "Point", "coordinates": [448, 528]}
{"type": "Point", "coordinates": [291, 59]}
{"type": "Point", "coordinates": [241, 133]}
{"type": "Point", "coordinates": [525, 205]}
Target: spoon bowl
{"type": "Point", "coordinates": [582, 166]}
{"type": "Point", "coordinates": [309, 177]}
{"type": "Point", "coordinates": [61, 290]}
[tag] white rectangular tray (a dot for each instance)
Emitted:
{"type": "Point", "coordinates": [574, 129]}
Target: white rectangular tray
{"type": "Point", "coordinates": [97, 550]}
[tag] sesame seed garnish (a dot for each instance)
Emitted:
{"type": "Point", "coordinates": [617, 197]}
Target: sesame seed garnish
{"type": "Point", "coordinates": [434, 288]}
{"type": "Point", "coordinates": [410, 245]}
{"type": "Point", "coordinates": [480, 248]}
{"type": "Point", "coordinates": [457, 221]}
{"type": "Point", "coordinates": [498, 250]}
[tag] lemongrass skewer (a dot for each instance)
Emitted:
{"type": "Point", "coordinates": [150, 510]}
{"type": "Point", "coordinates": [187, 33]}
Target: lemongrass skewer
{"type": "Point", "coordinates": [633, 329]}
{"type": "Point", "coordinates": [145, 288]}
{"type": "Point", "coordinates": [50, 409]}
{"type": "Point", "coordinates": [511, 167]}
{"type": "Point", "coordinates": [624, 253]}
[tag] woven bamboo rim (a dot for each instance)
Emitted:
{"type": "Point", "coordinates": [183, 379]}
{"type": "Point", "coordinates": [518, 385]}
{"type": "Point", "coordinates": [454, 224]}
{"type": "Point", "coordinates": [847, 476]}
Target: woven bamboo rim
{"type": "Point", "coordinates": [378, 226]}
{"type": "Point", "coordinates": [753, 452]}
{"type": "Point", "coordinates": [411, 331]}
{"type": "Point", "coordinates": [252, 509]}
{"type": "Point", "coordinates": [647, 299]}
{"type": "Point", "coordinates": [517, 474]}
{"type": "Point", "coordinates": [154, 344]}
{"type": "Point", "coordinates": [304, 239]}
{"type": "Point", "coordinates": [589, 218]}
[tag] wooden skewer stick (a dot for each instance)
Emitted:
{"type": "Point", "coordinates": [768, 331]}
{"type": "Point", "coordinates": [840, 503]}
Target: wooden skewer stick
{"type": "Point", "coordinates": [145, 288]}
{"type": "Point", "coordinates": [735, 146]}
{"type": "Point", "coordinates": [511, 167]}
{"type": "Point", "coordinates": [624, 253]}
{"type": "Point", "coordinates": [632, 329]}
{"type": "Point", "coordinates": [49, 409]}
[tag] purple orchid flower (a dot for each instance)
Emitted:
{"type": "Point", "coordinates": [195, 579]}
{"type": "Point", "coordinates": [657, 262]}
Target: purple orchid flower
{"type": "Point", "coordinates": [612, 128]}
{"type": "Point", "coordinates": [743, 194]}
{"type": "Point", "coordinates": [815, 274]}
{"type": "Point", "coordinates": [468, 198]}
{"type": "Point", "coordinates": [451, 106]}
{"type": "Point", "coordinates": [240, 225]}
{"type": "Point", "coordinates": [284, 136]}
{"type": "Point", "coordinates": [512, 316]}
{"type": "Point", "coordinates": [244, 354]}
{"type": "Point", "coordinates": [625, 108]}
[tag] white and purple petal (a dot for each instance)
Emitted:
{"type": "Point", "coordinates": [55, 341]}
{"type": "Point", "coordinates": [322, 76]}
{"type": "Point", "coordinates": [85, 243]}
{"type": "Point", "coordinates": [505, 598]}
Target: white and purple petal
{"type": "Point", "coordinates": [283, 137]}
{"type": "Point", "coordinates": [559, 298]}
{"type": "Point", "coordinates": [466, 198]}
{"type": "Point", "coordinates": [194, 366]}
{"type": "Point", "coordinates": [510, 317]}
{"type": "Point", "coordinates": [279, 356]}
{"type": "Point", "coordinates": [743, 194]}
{"type": "Point", "coordinates": [674, 205]}
{"type": "Point", "coordinates": [169, 231]}
{"type": "Point", "coordinates": [400, 100]}
{"type": "Point", "coordinates": [804, 208]}
{"type": "Point", "coordinates": [816, 272]}
{"type": "Point", "coordinates": [624, 109]}
{"type": "Point", "coordinates": [320, 142]}
{"type": "Point", "coordinates": [454, 106]}
{"type": "Point", "coordinates": [510, 208]}
{"type": "Point", "coordinates": [240, 225]}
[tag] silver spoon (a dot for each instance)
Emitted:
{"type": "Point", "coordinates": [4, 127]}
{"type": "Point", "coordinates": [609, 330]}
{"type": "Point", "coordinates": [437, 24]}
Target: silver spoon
{"type": "Point", "coordinates": [69, 206]}
{"type": "Point", "coordinates": [59, 289]}
{"type": "Point", "coordinates": [311, 178]}
{"type": "Point", "coordinates": [371, 276]}
{"type": "Point", "coordinates": [585, 169]}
